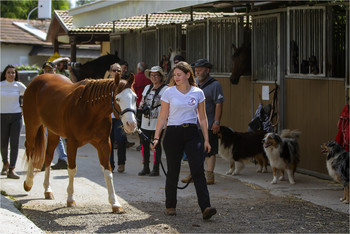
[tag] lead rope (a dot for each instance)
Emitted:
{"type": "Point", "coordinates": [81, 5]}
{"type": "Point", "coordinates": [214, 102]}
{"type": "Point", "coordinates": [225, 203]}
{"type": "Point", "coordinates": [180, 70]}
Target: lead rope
{"type": "Point", "coordinates": [160, 160]}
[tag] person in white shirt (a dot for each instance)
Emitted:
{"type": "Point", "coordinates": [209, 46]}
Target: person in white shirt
{"type": "Point", "coordinates": [182, 103]}
{"type": "Point", "coordinates": [150, 108]}
{"type": "Point", "coordinates": [11, 119]}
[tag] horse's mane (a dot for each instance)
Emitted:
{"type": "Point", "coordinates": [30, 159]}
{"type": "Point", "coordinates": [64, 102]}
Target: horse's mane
{"type": "Point", "coordinates": [95, 91]}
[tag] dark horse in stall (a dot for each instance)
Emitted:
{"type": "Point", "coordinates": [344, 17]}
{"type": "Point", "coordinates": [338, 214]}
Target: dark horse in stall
{"type": "Point", "coordinates": [241, 62]}
{"type": "Point", "coordinates": [96, 68]}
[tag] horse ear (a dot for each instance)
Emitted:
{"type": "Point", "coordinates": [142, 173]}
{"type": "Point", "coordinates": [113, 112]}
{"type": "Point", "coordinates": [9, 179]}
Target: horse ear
{"type": "Point", "coordinates": [117, 79]}
{"type": "Point", "coordinates": [234, 47]}
{"type": "Point", "coordinates": [170, 50]}
{"type": "Point", "coordinates": [131, 79]}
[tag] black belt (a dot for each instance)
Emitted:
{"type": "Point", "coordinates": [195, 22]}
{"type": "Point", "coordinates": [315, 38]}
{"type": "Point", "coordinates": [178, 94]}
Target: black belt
{"type": "Point", "coordinates": [185, 125]}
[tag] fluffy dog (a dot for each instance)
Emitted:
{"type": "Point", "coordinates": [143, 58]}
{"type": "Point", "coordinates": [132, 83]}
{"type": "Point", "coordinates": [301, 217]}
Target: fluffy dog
{"type": "Point", "coordinates": [283, 153]}
{"type": "Point", "coordinates": [238, 146]}
{"type": "Point", "coordinates": [338, 165]}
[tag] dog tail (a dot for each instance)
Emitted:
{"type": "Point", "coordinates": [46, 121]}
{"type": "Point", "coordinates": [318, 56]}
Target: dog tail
{"type": "Point", "coordinates": [287, 133]}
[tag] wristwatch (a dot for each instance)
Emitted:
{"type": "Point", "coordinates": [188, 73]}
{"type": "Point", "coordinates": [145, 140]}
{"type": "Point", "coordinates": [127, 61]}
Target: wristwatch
{"type": "Point", "coordinates": [217, 122]}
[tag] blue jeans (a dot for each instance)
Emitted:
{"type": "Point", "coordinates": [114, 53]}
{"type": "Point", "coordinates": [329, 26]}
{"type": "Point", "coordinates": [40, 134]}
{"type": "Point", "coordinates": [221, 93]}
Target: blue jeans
{"type": "Point", "coordinates": [62, 155]}
{"type": "Point", "coordinates": [119, 135]}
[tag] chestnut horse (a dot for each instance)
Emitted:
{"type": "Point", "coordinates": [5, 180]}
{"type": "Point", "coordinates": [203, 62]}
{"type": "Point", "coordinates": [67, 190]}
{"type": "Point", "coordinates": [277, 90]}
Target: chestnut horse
{"type": "Point", "coordinates": [80, 112]}
{"type": "Point", "coordinates": [241, 62]}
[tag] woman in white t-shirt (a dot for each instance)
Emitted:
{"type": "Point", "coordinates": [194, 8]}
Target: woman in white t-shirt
{"type": "Point", "coordinates": [150, 104]}
{"type": "Point", "coordinates": [182, 103]}
{"type": "Point", "coordinates": [11, 119]}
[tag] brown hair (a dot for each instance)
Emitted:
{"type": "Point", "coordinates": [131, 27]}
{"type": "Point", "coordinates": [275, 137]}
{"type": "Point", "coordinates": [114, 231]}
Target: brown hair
{"type": "Point", "coordinates": [186, 68]}
{"type": "Point", "coordinates": [3, 74]}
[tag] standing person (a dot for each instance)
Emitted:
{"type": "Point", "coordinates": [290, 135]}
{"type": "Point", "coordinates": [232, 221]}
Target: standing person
{"type": "Point", "coordinates": [125, 68]}
{"type": "Point", "coordinates": [181, 104]}
{"type": "Point", "coordinates": [214, 98]}
{"type": "Point", "coordinates": [62, 66]}
{"type": "Point", "coordinates": [49, 67]}
{"type": "Point", "coordinates": [117, 132]}
{"type": "Point", "coordinates": [151, 104]}
{"type": "Point", "coordinates": [11, 119]}
{"type": "Point", "coordinates": [140, 83]}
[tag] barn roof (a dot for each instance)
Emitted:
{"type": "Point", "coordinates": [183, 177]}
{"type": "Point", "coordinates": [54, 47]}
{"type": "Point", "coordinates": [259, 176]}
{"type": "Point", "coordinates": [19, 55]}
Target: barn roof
{"type": "Point", "coordinates": [136, 22]}
{"type": "Point", "coordinates": [14, 34]}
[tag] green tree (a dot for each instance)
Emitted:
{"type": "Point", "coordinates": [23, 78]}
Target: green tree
{"type": "Point", "coordinates": [19, 9]}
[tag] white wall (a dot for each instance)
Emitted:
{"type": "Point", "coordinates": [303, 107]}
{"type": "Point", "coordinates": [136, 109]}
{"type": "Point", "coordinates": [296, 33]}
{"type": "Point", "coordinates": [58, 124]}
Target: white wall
{"type": "Point", "coordinates": [15, 54]}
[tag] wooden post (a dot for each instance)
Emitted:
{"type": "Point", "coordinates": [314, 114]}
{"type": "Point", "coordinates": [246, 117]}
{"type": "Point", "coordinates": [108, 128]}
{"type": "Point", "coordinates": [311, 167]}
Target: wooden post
{"type": "Point", "coordinates": [73, 48]}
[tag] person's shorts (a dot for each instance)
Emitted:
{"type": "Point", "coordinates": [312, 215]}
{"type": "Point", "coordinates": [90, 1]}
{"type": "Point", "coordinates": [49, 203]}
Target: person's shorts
{"type": "Point", "coordinates": [214, 143]}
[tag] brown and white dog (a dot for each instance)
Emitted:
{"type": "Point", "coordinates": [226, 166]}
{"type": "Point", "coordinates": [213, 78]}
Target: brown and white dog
{"type": "Point", "coordinates": [236, 147]}
{"type": "Point", "coordinates": [283, 153]}
{"type": "Point", "coordinates": [338, 165]}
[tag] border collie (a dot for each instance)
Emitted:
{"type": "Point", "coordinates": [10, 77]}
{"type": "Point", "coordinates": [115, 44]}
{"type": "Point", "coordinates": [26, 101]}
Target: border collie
{"type": "Point", "coordinates": [236, 147]}
{"type": "Point", "coordinates": [338, 165]}
{"type": "Point", "coordinates": [283, 153]}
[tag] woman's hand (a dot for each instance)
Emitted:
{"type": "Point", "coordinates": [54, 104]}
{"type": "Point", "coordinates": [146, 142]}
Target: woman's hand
{"type": "Point", "coordinates": [207, 147]}
{"type": "Point", "coordinates": [155, 143]}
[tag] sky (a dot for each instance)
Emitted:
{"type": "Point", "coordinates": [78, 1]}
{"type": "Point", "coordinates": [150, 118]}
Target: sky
{"type": "Point", "coordinates": [72, 3]}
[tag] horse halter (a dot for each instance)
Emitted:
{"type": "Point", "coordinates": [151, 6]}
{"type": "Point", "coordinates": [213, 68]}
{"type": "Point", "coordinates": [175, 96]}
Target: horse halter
{"type": "Point", "coordinates": [123, 111]}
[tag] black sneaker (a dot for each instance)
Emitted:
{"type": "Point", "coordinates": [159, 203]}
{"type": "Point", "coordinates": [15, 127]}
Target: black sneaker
{"type": "Point", "coordinates": [61, 164]}
{"type": "Point", "coordinates": [145, 171]}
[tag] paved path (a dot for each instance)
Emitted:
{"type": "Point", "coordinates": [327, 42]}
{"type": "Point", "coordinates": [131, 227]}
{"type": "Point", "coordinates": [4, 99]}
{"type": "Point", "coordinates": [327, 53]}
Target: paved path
{"type": "Point", "coordinates": [90, 186]}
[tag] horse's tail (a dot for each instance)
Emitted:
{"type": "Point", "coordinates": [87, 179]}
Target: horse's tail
{"type": "Point", "coordinates": [37, 154]}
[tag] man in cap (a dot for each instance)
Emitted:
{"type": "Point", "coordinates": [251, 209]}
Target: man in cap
{"type": "Point", "coordinates": [214, 98]}
{"type": "Point", "coordinates": [49, 67]}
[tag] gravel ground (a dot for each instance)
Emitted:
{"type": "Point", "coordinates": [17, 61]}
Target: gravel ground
{"type": "Point", "coordinates": [270, 215]}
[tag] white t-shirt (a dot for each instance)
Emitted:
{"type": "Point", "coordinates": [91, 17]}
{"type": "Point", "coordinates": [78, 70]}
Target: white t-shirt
{"type": "Point", "coordinates": [183, 107]}
{"type": "Point", "coordinates": [150, 122]}
{"type": "Point", "coordinates": [10, 92]}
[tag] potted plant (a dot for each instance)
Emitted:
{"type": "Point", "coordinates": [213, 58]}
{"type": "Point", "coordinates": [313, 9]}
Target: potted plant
{"type": "Point", "coordinates": [27, 72]}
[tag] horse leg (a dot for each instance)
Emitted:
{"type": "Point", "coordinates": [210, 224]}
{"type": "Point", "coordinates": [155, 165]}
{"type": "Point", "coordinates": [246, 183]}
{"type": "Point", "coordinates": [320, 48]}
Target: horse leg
{"type": "Point", "coordinates": [104, 150]}
{"type": "Point", "coordinates": [35, 145]}
{"type": "Point", "coordinates": [72, 147]}
{"type": "Point", "coordinates": [52, 142]}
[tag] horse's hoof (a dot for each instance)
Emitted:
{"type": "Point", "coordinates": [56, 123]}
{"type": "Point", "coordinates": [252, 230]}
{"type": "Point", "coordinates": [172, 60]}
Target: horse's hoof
{"type": "Point", "coordinates": [49, 196]}
{"type": "Point", "coordinates": [118, 210]}
{"type": "Point", "coordinates": [71, 203]}
{"type": "Point", "coordinates": [26, 187]}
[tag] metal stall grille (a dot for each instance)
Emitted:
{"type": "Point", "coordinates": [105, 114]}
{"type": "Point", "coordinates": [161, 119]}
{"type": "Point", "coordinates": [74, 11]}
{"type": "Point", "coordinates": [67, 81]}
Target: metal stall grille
{"type": "Point", "coordinates": [149, 47]}
{"type": "Point", "coordinates": [306, 37]}
{"type": "Point", "coordinates": [167, 39]}
{"type": "Point", "coordinates": [222, 33]}
{"type": "Point", "coordinates": [266, 48]}
{"type": "Point", "coordinates": [196, 42]}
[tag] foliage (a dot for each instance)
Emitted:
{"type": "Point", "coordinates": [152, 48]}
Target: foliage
{"type": "Point", "coordinates": [28, 68]}
{"type": "Point", "coordinates": [19, 9]}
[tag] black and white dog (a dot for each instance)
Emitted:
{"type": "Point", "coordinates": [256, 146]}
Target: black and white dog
{"type": "Point", "coordinates": [283, 153]}
{"type": "Point", "coordinates": [338, 165]}
{"type": "Point", "coordinates": [236, 147]}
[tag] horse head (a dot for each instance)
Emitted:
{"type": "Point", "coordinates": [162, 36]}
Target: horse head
{"type": "Point", "coordinates": [96, 68]}
{"type": "Point", "coordinates": [125, 98]}
{"type": "Point", "coordinates": [173, 53]}
{"type": "Point", "coordinates": [241, 62]}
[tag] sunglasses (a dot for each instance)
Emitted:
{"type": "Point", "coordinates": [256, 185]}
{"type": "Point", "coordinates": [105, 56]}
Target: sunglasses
{"type": "Point", "coordinates": [115, 70]}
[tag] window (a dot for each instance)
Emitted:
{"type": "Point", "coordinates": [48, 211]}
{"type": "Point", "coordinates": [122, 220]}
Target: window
{"type": "Point", "coordinates": [150, 48]}
{"type": "Point", "coordinates": [196, 42]}
{"type": "Point", "coordinates": [306, 39]}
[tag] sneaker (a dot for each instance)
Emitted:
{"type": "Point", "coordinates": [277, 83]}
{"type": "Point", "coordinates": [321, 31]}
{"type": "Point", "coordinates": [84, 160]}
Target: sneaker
{"type": "Point", "coordinates": [5, 168]}
{"type": "Point", "coordinates": [61, 164]}
{"type": "Point", "coordinates": [210, 177]}
{"type": "Point", "coordinates": [170, 211]}
{"type": "Point", "coordinates": [188, 178]}
{"type": "Point", "coordinates": [121, 168]}
{"type": "Point", "coordinates": [208, 212]}
{"type": "Point", "coordinates": [11, 174]}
